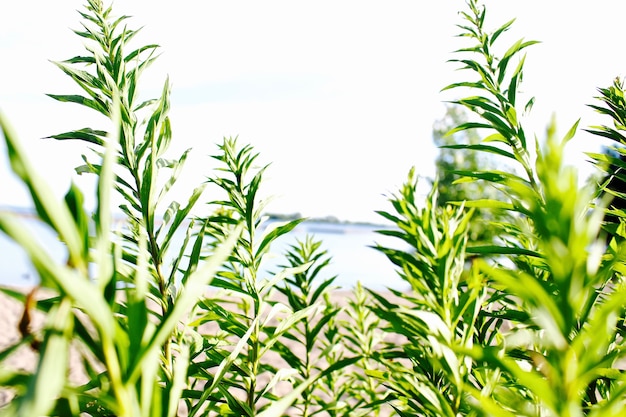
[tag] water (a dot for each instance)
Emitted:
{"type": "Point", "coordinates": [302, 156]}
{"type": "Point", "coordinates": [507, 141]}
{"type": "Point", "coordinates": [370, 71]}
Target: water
{"type": "Point", "coordinates": [16, 268]}
{"type": "Point", "coordinates": [352, 258]}
{"type": "Point", "coordinates": [347, 244]}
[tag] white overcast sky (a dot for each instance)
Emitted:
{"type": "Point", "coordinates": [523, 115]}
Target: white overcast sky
{"type": "Point", "coordinates": [339, 96]}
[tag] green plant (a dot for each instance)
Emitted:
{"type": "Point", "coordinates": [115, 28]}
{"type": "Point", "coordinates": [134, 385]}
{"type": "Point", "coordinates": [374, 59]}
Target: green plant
{"type": "Point", "coordinates": [119, 299]}
{"type": "Point", "coordinates": [336, 344]}
{"type": "Point", "coordinates": [537, 319]}
{"type": "Point", "coordinates": [303, 347]}
{"type": "Point", "coordinates": [425, 374]}
{"type": "Point", "coordinates": [115, 300]}
{"type": "Point", "coordinates": [253, 323]}
{"type": "Point", "coordinates": [119, 344]}
{"type": "Point", "coordinates": [362, 334]}
{"type": "Point", "coordinates": [530, 323]}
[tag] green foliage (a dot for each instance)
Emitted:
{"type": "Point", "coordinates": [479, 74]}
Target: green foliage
{"type": "Point", "coordinates": [118, 298]}
{"type": "Point", "coordinates": [540, 332]}
{"type": "Point", "coordinates": [450, 160]}
{"type": "Point", "coordinates": [526, 322]}
{"type": "Point", "coordinates": [438, 314]}
{"type": "Point", "coordinates": [327, 353]}
{"type": "Point", "coordinates": [121, 346]}
{"type": "Point", "coordinates": [365, 339]}
{"type": "Point", "coordinates": [453, 157]}
{"type": "Point", "coordinates": [611, 163]}
{"type": "Point", "coordinates": [251, 323]}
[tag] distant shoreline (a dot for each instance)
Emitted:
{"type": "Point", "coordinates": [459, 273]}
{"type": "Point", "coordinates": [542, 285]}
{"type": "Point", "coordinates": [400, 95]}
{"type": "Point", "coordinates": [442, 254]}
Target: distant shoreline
{"type": "Point", "coordinates": [326, 219]}
{"type": "Point", "coordinates": [348, 245]}
{"type": "Point", "coordinates": [30, 212]}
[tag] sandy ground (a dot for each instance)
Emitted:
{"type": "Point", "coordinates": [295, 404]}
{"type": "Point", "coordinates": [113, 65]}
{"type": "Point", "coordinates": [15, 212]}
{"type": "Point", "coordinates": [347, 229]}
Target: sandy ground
{"type": "Point", "coordinates": [25, 358]}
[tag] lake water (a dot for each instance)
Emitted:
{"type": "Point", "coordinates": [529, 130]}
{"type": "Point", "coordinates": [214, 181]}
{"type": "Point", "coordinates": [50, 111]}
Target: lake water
{"type": "Point", "coordinates": [348, 245]}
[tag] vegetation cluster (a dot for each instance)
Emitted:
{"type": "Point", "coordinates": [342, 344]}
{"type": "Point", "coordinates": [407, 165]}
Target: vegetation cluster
{"type": "Point", "coordinates": [516, 290]}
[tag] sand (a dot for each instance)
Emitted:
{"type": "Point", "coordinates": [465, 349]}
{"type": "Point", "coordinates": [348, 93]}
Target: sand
{"type": "Point", "coordinates": [25, 358]}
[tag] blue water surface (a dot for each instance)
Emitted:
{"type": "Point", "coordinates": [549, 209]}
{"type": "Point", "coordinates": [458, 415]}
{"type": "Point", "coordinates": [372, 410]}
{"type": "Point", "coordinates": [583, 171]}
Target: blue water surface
{"type": "Point", "coordinates": [348, 245]}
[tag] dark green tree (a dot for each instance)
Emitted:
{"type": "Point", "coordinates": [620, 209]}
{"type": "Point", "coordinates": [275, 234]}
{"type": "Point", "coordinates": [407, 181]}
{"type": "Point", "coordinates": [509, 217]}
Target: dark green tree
{"type": "Point", "coordinates": [454, 188]}
{"type": "Point", "coordinates": [612, 160]}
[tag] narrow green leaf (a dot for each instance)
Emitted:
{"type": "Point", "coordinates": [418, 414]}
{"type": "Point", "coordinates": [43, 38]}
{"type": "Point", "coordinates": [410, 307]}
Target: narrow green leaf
{"type": "Point", "coordinates": [181, 365]}
{"type": "Point", "coordinates": [194, 288]}
{"type": "Point", "coordinates": [275, 233]}
{"type": "Point", "coordinates": [85, 134]}
{"type": "Point", "coordinates": [467, 126]}
{"type": "Point", "coordinates": [278, 408]}
{"type": "Point", "coordinates": [464, 84]}
{"type": "Point", "coordinates": [50, 378]}
{"type": "Point", "coordinates": [571, 132]}
{"type": "Point", "coordinates": [267, 286]}
{"type": "Point", "coordinates": [501, 30]}
{"type": "Point", "coordinates": [74, 98]}
{"type": "Point", "coordinates": [48, 206]}
{"type": "Point", "coordinates": [482, 103]}
{"type": "Point", "coordinates": [81, 60]}
{"type": "Point", "coordinates": [135, 54]}
{"type": "Point", "coordinates": [483, 148]}
{"type": "Point", "coordinates": [486, 203]}
{"type": "Point", "coordinates": [501, 250]}
{"type": "Point", "coordinates": [176, 170]}
{"type": "Point", "coordinates": [181, 216]}
{"type": "Point", "coordinates": [223, 368]}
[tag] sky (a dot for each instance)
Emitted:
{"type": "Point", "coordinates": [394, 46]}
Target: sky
{"type": "Point", "coordinates": [339, 96]}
